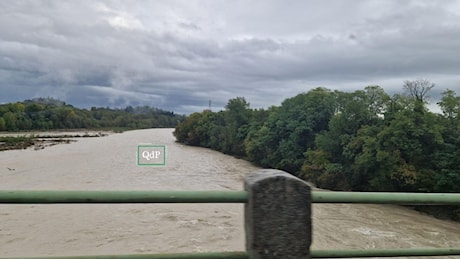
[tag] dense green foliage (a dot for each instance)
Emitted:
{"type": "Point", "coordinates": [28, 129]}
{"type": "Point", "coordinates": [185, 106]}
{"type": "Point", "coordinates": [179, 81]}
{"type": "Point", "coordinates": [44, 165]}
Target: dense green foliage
{"type": "Point", "coordinates": [47, 113]}
{"type": "Point", "coordinates": [364, 140]}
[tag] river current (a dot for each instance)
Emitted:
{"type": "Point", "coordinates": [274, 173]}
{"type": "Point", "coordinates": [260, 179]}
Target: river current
{"type": "Point", "coordinates": [110, 163]}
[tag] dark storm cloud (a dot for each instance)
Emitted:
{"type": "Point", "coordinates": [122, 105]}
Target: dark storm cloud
{"type": "Point", "coordinates": [178, 55]}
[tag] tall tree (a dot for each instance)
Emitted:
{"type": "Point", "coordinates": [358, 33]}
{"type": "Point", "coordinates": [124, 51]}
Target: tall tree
{"type": "Point", "coordinates": [296, 123]}
{"type": "Point", "coordinates": [377, 100]}
{"type": "Point", "coordinates": [418, 89]}
{"type": "Point", "coordinates": [450, 106]}
{"type": "Point", "coordinates": [237, 123]}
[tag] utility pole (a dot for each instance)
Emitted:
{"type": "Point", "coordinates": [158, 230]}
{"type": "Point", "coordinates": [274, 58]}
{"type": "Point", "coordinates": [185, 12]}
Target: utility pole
{"type": "Point", "coordinates": [210, 105]}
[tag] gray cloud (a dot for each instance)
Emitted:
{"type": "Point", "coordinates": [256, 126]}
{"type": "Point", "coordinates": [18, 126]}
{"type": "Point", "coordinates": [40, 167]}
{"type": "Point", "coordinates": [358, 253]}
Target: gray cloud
{"type": "Point", "coordinates": [177, 55]}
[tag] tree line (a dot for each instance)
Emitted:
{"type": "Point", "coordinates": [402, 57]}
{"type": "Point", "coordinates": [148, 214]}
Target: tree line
{"type": "Point", "coordinates": [364, 140]}
{"type": "Point", "coordinates": [49, 113]}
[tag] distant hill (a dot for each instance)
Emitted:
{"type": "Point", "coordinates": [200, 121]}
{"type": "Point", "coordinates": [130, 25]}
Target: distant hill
{"type": "Point", "coordinates": [51, 114]}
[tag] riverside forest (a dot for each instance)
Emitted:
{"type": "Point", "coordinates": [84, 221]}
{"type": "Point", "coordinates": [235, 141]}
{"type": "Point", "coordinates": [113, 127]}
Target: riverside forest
{"type": "Point", "coordinates": [364, 140]}
{"type": "Point", "coordinates": [53, 114]}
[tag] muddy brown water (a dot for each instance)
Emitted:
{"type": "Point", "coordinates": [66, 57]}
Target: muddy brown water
{"type": "Point", "coordinates": [109, 163]}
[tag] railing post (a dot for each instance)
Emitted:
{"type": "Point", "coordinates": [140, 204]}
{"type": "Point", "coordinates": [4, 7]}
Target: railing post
{"type": "Point", "coordinates": [277, 215]}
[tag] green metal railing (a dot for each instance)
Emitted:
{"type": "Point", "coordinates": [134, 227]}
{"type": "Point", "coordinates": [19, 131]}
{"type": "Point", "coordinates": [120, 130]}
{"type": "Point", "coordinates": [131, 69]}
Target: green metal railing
{"type": "Point", "coordinates": [349, 253]}
{"type": "Point", "coordinates": [49, 197]}
{"type": "Point", "coordinates": [396, 198]}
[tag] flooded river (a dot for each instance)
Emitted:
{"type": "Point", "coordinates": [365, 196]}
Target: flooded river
{"type": "Point", "coordinates": [109, 163]}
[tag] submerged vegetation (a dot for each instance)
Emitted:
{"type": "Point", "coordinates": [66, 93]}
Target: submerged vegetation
{"type": "Point", "coordinates": [15, 142]}
{"type": "Point", "coordinates": [364, 140]}
{"type": "Point", "coordinates": [40, 141]}
{"type": "Point", "coordinates": [51, 114]}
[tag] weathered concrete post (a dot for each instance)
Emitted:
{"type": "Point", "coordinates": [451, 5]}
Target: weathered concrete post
{"type": "Point", "coordinates": [277, 215]}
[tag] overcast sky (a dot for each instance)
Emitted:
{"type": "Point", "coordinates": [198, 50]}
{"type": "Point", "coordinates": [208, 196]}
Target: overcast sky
{"type": "Point", "coordinates": [178, 55]}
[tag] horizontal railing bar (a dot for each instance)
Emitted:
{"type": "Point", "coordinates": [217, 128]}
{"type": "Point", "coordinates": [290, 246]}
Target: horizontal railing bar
{"type": "Point", "coordinates": [349, 253]}
{"type": "Point", "coordinates": [345, 253]}
{"type": "Point", "coordinates": [195, 255]}
{"type": "Point", "coordinates": [396, 198]}
{"type": "Point", "coordinates": [46, 197]}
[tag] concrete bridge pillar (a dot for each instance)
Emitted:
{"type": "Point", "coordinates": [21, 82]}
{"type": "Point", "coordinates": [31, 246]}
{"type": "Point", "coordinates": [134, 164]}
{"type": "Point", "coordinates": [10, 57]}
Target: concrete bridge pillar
{"type": "Point", "coordinates": [277, 215]}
